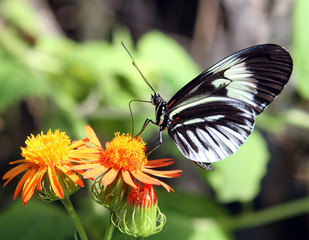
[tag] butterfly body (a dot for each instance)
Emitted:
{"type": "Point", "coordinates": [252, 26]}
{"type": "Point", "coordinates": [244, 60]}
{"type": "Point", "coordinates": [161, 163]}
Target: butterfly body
{"type": "Point", "coordinates": [214, 114]}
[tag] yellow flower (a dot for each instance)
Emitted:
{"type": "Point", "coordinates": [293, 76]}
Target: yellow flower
{"type": "Point", "coordinates": [46, 159]}
{"type": "Point", "coordinates": [124, 157]}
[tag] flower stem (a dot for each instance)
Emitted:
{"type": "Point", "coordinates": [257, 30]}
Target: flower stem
{"type": "Point", "coordinates": [109, 229]}
{"type": "Point", "coordinates": [69, 207]}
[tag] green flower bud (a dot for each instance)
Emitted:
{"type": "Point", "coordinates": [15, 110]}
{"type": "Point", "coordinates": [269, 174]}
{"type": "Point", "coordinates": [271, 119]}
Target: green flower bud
{"type": "Point", "coordinates": [140, 216]}
{"type": "Point", "coordinates": [47, 193]}
{"type": "Point", "coordinates": [111, 196]}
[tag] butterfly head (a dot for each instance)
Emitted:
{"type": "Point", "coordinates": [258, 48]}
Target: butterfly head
{"type": "Point", "coordinates": [156, 99]}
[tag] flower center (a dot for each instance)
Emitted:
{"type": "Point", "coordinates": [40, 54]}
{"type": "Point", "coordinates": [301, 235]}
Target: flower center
{"type": "Point", "coordinates": [125, 152]}
{"type": "Point", "coordinates": [46, 149]}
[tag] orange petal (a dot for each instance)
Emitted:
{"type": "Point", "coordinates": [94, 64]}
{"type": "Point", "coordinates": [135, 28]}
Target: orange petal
{"type": "Point", "coordinates": [21, 183]}
{"type": "Point", "coordinates": [81, 162]}
{"type": "Point", "coordinates": [166, 174]}
{"type": "Point", "coordinates": [128, 179]}
{"type": "Point", "coordinates": [95, 172]}
{"type": "Point", "coordinates": [30, 185]}
{"type": "Point", "coordinates": [92, 136]}
{"type": "Point", "coordinates": [71, 175]}
{"type": "Point", "coordinates": [145, 178]}
{"type": "Point", "coordinates": [54, 182]}
{"type": "Point", "coordinates": [109, 177]}
{"type": "Point", "coordinates": [159, 163]}
{"type": "Point", "coordinates": [150, 180]}
{"type": "Point", "coordinates": [42, 171]}
{"type": "Point", "coordinates": [87, 153]}
{"type": "Point", "coordinates": [18, 161]}
{"type": "Point", "coordinates": [79, 143]}
{"type": "Point", "coordinates": [15, 171]}
{"type": "Point", "coordinates": [85, 166]}
{"type": "Point", "coordinates": [167, 187]}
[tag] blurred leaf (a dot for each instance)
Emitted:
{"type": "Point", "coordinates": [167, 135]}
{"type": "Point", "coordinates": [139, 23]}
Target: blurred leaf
{"type": "Point", "coordinates": [190, 217]}
{"type": "Point", "coordinates": [36, 220]}
{"type": "Point", "coordinates": [16, 83]}
{"type": "Point", "coordinates": [169, 62]}
{"type": "Point", "coordinates": [181, 227]}
{"type": "Point", "coordinates": [190, 205]}
{"type": "Point", "coordinates": [297, 118]}
{"type": "Point", "coordinates": [238, 177]}
{"type": "Point", "coordinates": [301, 46]}
{"type": "Point", "coordinates": [274, 123]}
{"type": "Point", "coordinates": [20, 13]}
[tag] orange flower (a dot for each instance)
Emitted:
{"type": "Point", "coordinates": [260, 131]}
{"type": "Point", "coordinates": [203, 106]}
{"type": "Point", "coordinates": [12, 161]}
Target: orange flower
{"type": "Point", "coordinates": [125, 157]}
{"type": "Point", "coordinates": [46, 160]}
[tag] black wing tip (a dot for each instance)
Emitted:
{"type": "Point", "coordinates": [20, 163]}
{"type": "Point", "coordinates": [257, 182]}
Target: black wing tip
{"type": "Point", "coordinates": [272, 48]}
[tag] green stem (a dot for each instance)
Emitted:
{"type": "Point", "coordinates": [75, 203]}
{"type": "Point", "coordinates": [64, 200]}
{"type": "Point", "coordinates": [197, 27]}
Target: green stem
{"type": "Point", "coordinates": [269, 215]}
{"type": "Point", "coordinates": [69, 207]}
{"type": "Point", "coordinates": [109, 229]}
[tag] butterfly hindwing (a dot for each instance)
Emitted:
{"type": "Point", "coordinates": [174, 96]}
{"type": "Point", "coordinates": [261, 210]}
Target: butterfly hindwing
{"type": "Point", "coordinates": [255, 76]}
{"type": "Point", "coordinates": [211, 129]}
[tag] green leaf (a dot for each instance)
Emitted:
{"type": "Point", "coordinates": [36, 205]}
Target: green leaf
{"type": "Point", "coordinates": [168, 60]}
{"type": "Point", "coordinates": [238, 177]}
{"type": "Point", "coordinates": [36, 220]}
{"type": "Point", "coordinates": [21, 13]}
{"type": "Point", "coordinates": [12, 77]}
{"type": "Point", "coordinates": [301, 46]}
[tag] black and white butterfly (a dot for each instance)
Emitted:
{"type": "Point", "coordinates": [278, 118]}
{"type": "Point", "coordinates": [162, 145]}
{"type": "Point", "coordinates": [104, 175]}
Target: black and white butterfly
{"type": "Point", "coordinates": [213, 115]}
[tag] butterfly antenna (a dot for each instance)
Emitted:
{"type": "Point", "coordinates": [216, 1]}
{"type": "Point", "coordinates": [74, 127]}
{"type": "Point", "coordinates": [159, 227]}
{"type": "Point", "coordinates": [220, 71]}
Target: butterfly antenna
{"type": "Point", "coordinates": [131, 112]}
{"type": "Point", "coordinates": [135, 65]}
{"type": "Point", "coordinates": [132, 120]}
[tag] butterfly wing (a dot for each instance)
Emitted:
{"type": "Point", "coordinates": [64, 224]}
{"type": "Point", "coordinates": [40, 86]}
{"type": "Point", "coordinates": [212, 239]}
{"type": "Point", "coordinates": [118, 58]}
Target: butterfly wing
{"type": "Point", "coordinates": [212, 128]}
{"type": "Point", "coordinates": [255, 76]}
{"type": "Point", "coordinates": [213, 115]}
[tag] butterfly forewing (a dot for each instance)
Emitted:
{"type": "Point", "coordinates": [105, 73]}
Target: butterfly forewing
{"type": "Point", "coordinates": [254, 76]}
{"type": "Point", "coordinates": [210, 129]}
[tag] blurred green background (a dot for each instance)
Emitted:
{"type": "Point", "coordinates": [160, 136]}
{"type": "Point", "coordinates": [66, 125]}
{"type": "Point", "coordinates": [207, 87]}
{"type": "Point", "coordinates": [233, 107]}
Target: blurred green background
{"type": "Point", "coordinates": [62, 66]}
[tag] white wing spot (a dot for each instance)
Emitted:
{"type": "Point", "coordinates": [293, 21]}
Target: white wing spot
{"type": "Point", "coordinates": [220, 82]}
{"type": "Point", "coordinates": [213, 118]}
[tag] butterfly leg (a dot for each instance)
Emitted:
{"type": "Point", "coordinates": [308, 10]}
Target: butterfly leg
{"type": "Point", "coordinates": [147, 121]}
{"type": "Point", "coordinates": [205, 166]}
{"type": "Point", "coordinates": [160, 139]}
